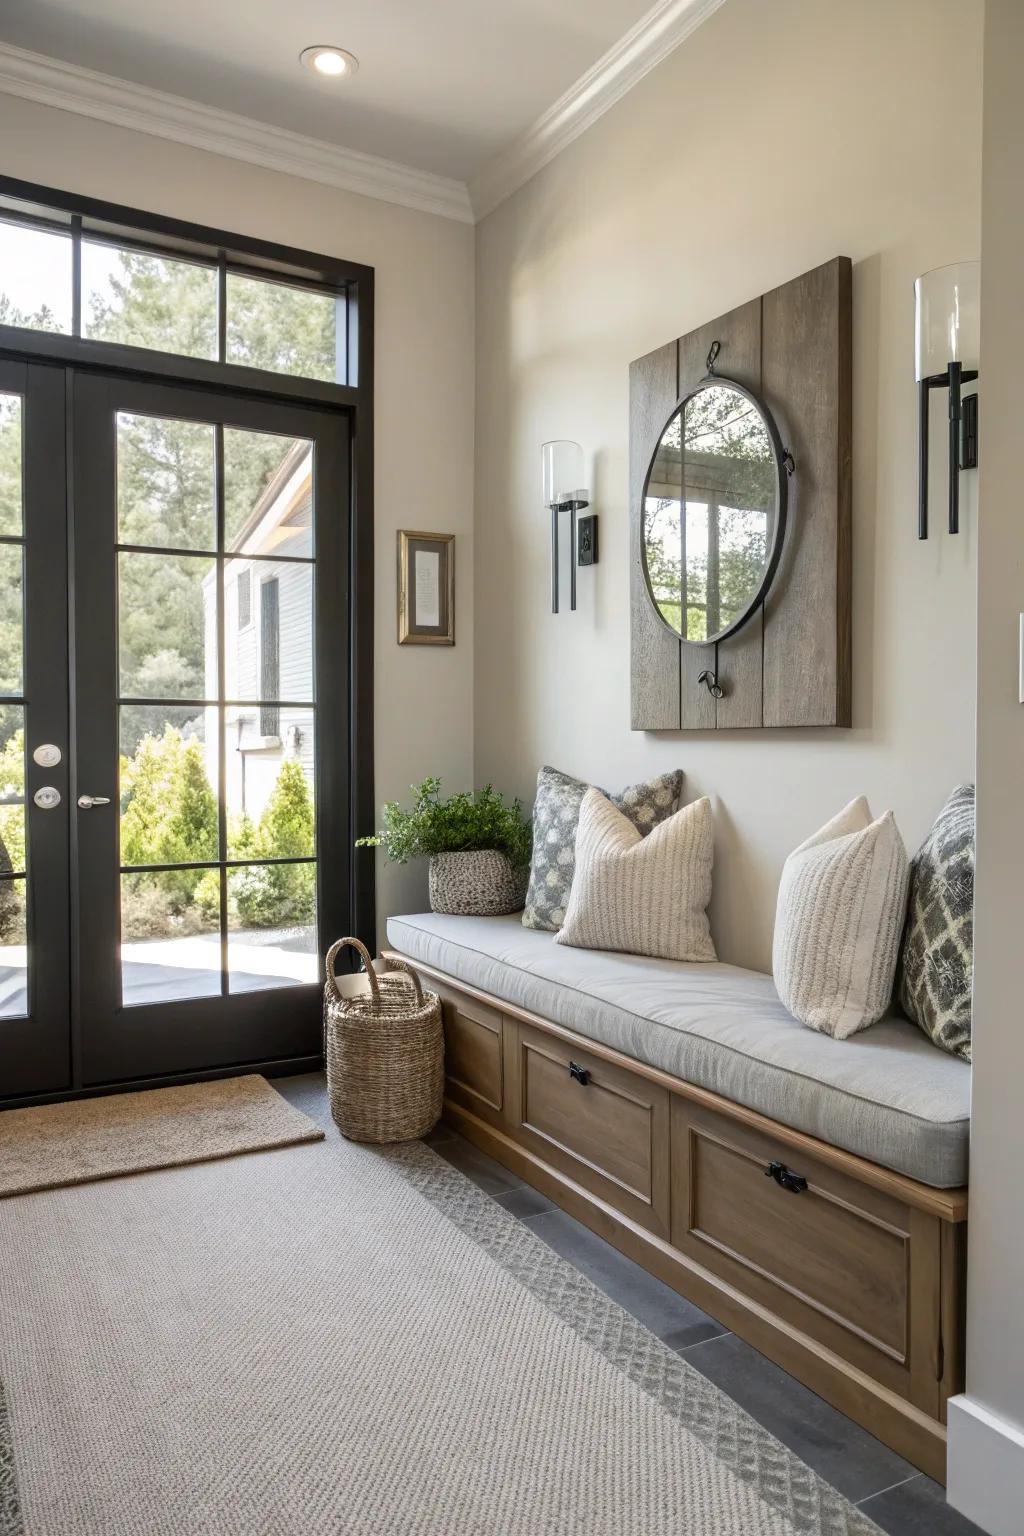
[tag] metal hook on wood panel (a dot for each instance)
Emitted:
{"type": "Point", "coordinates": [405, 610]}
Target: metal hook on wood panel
{"type": "Point", "coordinates": [711, 683]}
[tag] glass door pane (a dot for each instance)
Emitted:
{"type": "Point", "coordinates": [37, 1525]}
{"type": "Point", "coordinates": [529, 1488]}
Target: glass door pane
{"type": "Point", "coordinates": [170, 908]}
{"type": "Point", "coordinates": [14, 973]}
{"type": "Point", "coordinates": [215, 519]}
{"type": "Point", "coordinates": [241, 503]}
{"type": "Point", "coordinates": [13, 914]}
{"type": "Point", "coordinates": [269, 752]}
{"type": "Point", "coordinates": [34, 990]}
{"type": "Point", "coordinates": [12, 430]}
{"type": "Point", "coordinates": [13, 929]}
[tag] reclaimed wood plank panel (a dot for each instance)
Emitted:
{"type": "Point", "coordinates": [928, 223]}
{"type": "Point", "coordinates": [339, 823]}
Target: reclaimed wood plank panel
{"type": "Point", "coordinates": [654, 652]}
{"type": "Point", "coordinates": [807, 385]}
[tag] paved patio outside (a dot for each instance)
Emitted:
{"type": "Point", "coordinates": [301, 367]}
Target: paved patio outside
{"type": "Point", "coordinates": [164, 970]}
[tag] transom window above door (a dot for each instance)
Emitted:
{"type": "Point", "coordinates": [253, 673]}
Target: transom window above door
{"type": "Point", "coordinates": [64, 273]}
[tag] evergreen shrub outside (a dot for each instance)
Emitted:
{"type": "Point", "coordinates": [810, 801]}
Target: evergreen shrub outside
{"type": "Point", "coordinates": [169, 815]}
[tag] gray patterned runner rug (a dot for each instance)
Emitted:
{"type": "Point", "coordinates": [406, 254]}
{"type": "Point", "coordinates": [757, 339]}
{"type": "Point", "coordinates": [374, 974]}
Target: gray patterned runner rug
{"type": "Point", "coordinates": [347, 1340]}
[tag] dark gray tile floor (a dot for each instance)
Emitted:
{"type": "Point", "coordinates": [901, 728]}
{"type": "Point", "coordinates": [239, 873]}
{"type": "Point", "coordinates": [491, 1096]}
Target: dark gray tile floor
{"type": "Point", "coordinates": [898, 1498]}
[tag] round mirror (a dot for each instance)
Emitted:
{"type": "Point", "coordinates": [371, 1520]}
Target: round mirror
{"type": "Point", "coordinates": [714, 511]}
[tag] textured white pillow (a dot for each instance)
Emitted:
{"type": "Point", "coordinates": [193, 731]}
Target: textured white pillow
{"type": "Point", "coordinates": [644, 895]}
{"type": "Point", "coordinates": [842, 902]}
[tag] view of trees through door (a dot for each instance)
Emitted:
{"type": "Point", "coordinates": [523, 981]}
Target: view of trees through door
{"type": "Point", "coordinates": [167, 633]}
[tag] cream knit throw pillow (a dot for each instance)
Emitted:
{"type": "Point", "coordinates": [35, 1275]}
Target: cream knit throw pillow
{"type": "Point", "coordinates": [842, 901]}
{"type": "Point", "coordinates": [645, 895]}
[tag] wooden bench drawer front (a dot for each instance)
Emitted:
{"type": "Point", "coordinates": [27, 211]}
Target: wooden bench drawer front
{"type": "Point", "coordinates": [610, 1133]}
{"type": "Point", "coordinates": [833, 1259]}
{"type": "Point", "coordinates": [473, 1056]}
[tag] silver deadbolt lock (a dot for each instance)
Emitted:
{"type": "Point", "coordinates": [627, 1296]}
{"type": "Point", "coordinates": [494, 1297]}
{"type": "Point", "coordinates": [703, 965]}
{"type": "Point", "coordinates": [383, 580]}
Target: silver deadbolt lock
{"type": "Point", "coordinates": [47, 756]}
{"type": "Point", "coordinates": [47, 798]}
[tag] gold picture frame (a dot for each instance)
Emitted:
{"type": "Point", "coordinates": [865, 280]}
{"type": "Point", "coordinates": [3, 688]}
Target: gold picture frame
{"type": "Point", "coordinates": [426, 588]}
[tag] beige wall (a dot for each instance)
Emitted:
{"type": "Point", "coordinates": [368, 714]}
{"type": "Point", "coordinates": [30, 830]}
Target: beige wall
{"type": "Point", "coordinates": [778, 136]}
{"type": "Point", "coordinates": [987, 1426]}
{"type": "Point", "coordinates": [424, 390]}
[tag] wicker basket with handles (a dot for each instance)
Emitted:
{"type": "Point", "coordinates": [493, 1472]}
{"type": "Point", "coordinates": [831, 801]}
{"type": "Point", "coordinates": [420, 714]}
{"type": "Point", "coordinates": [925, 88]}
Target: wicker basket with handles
{"type": "Point", "coordinates": [384, 1053]}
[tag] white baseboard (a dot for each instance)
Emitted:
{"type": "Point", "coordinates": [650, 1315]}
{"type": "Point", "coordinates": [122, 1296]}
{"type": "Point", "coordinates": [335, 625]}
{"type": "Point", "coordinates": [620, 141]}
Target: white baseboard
{"type": "Point", "coordinates": [985, 1467]}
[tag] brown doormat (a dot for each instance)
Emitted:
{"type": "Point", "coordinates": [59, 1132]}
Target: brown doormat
{"type": "Point", "coordinates": [75, 1142]}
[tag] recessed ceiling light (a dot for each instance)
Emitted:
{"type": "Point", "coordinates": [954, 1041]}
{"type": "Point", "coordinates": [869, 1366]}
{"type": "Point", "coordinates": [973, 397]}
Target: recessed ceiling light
{"type": "Point", "coordinates": [332, 63]}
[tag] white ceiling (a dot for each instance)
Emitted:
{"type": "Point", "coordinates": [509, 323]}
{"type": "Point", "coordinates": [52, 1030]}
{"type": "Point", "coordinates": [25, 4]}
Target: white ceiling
{"type": "Point", "coordinates": [443, 85]}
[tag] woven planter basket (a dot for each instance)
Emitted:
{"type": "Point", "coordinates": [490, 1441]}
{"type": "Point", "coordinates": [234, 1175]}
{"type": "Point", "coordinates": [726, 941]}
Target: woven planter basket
{"type": "Point", "coordinates": [481, 883]}
{"type": "Point", "coordinates": [384, 1053]}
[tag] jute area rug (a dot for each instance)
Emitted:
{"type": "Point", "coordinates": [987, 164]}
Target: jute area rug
{"type": "Point", "coordinates": [72, 1143]}
{"type": "Point", "coordinates": [339, 1339]}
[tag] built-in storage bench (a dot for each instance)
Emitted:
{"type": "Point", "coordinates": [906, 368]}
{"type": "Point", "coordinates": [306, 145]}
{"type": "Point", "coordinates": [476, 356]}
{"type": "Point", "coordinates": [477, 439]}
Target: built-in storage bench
{"type": "Point", "coordinates": [848, 1273]}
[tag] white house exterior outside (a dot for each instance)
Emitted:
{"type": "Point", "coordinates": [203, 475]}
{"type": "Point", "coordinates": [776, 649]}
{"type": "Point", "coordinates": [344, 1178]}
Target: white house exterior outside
{"type": "Point", "coordinates": [268, 640]}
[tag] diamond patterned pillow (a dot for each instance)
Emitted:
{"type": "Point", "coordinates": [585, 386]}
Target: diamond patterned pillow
{"type": "Point", "coordinates": [937, 957]}
{"type": "Point", "coordinates": [556, 815]}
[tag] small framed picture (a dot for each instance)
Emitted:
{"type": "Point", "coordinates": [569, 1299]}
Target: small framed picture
{"type": "Point", "coordinates": [426, 588]}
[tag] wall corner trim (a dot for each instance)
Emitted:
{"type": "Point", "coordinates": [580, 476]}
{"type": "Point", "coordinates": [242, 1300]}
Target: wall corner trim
{"type": "Point", "coordinates": [69, 88]}
{"type": "Point", "coordinates": [985, 1472]}
{"type": "Point", "coordinates": [653, 38]}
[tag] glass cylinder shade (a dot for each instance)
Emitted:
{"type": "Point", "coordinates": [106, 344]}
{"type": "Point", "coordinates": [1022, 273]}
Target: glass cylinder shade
{"type": "Point", "coordinates": [562, 473]}
{"type": "Point", "coordinates": [947, 314]}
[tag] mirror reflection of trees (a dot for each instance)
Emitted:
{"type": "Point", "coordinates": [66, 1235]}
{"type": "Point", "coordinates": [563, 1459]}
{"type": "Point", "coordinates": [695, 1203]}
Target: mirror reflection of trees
{"type": "Point", "coordinates": [709, 513]}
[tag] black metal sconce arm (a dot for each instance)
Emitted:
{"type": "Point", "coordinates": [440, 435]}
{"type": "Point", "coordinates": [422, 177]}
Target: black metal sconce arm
{"type": "Point", "coordinates": [573, 508]}
{"type": "Point", "coordinates": [963, 418]}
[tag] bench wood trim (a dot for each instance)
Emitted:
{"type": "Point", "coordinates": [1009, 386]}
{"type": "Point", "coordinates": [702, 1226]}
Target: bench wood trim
{"type": "Point", "coordinates": [947, 1204]}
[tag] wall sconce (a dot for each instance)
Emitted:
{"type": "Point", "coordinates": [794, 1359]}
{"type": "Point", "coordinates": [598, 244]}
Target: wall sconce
{"type": "Point", "coordinates": [947, 345]}
{"type": "Point", "coordinates": [564, 491]}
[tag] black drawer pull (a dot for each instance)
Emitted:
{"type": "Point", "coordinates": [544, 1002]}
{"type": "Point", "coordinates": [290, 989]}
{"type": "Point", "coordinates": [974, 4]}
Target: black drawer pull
{"type": "Point", "coordinates": [794, 1182]}
{"type": "Point", "coordinates": [579, 1073]}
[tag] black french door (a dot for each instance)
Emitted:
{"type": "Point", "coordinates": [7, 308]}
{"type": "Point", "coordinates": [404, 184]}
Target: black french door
{"type": "Point", "coordinates": [184, 709]}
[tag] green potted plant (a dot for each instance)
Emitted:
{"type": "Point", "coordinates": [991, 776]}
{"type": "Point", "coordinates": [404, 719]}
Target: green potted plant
{"type": "Point", "coordinates": [479, 847]}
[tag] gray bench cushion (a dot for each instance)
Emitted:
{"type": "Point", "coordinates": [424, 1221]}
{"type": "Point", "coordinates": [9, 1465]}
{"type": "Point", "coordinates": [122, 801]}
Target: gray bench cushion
{"type": "Point", "coordinates": [887, 1093]}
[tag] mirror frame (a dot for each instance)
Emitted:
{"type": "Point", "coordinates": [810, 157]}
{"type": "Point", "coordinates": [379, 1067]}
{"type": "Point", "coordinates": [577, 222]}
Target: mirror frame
{"type": "Point", "coordinates": [783, 470]}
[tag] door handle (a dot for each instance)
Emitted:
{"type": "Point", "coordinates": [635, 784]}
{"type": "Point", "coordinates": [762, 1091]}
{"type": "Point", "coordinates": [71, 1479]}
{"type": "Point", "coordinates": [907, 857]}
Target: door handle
{"type": "Point", "coordinates": [579, 1073]}
{"type": "Point", "coordinates": [86, 802]}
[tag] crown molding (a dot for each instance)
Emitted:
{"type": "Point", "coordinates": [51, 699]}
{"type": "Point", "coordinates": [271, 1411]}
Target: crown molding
{"type": "Point", "coordinates": [88, 93]}
{"type": "Point", "coordinates": [126, 105]}
{"type": "Point", "coordinates": [654, 37]}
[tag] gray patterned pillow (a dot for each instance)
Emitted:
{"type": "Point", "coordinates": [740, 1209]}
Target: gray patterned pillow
{"type": "Point", "coordinates": [937, 958]}
{"type": "Point", "coordinates": [556, 815]}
